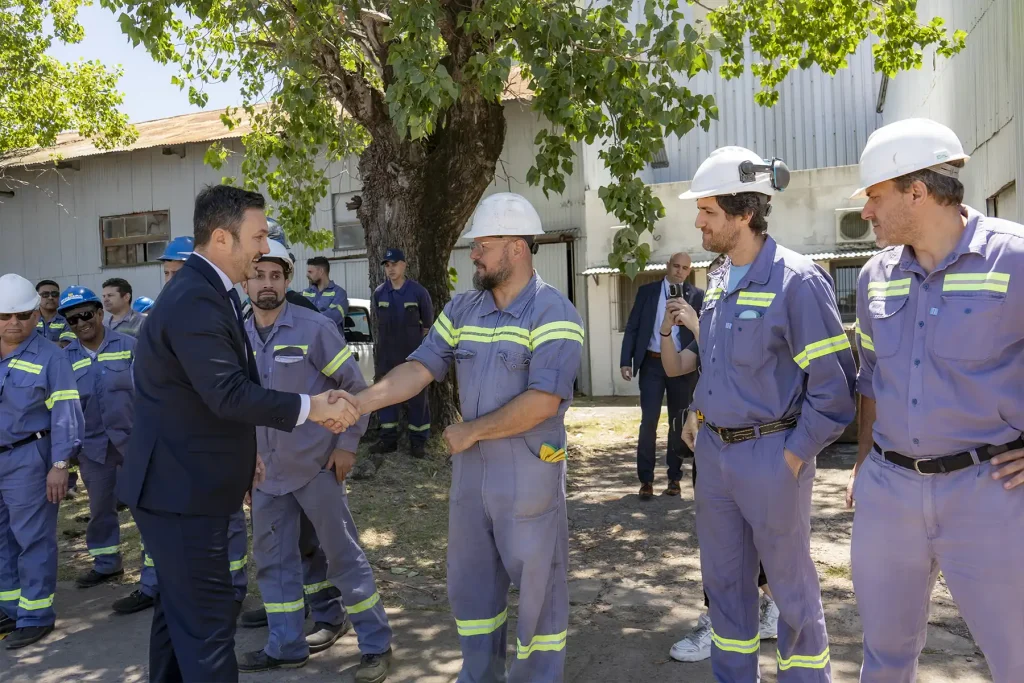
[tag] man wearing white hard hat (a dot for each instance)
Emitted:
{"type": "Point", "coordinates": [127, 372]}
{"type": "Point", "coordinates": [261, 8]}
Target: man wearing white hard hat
{"type": "Point", "coordinates": [41, 428]}
{"type": "Point", "coordinates": [939, 481]}
{"type": "Point", "coordinates": [516, 345]}
{"type": "Point", "coordinates": [776, 387]}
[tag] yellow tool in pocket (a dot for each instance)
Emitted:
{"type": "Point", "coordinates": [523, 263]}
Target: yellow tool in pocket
{"type": "Point", "coordinates": [549, 453]}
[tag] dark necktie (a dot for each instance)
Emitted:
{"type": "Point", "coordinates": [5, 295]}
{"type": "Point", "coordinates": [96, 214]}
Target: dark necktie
{"type": "Point", "coordinates": [236, 302]}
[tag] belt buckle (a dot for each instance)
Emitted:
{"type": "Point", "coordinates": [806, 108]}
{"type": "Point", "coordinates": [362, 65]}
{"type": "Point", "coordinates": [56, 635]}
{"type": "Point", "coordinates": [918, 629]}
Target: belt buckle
{"type": "Point", "coordinates": [917, 467]}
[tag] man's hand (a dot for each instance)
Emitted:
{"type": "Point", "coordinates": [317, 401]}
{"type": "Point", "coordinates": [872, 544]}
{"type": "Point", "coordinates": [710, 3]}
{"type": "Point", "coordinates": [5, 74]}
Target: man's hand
{"type": "Point", "coordinates": [459, 437]}
{"type": "Point", "coordinates": [690, 427]}
{"type": "Point", "coordinates": [849, 488]}
{"type": "Point", "coordinates": [342, 463]}
{"type": "Point", "coordinates": [681, 313]}
{"type": "Point", "coordinates": [260, 473]}
{"type": "Point", "coordinates": [1016, 467]}
{"type": "Point", "coordinates": [794, 463]}
{"type": "Point", "coordinates": [56, 485]}
{"type": "Point", "coordinates": [336, 410]}
{"type": "Point", "coordinates": [627, 372]}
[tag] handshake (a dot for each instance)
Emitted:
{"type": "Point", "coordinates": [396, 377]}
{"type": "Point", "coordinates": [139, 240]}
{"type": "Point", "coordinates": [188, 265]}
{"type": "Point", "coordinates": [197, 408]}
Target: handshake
{"type": "Point", "coordinates": [336, 410]}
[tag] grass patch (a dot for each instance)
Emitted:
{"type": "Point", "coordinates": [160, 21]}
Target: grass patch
{"type": "Point", "coordinates": [72, 554]}
{"type": "Point", "coordinates": [842, 571]}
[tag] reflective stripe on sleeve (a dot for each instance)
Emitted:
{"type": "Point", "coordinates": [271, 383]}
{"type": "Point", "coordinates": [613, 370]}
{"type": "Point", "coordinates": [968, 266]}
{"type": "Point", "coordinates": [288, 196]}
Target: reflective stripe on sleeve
{"type": "Point", "coordinates": [333, 366]}
{"type": "Point", "coordinates": [821, 348]}
{"type": "Point", "coordinates": [65, 395]}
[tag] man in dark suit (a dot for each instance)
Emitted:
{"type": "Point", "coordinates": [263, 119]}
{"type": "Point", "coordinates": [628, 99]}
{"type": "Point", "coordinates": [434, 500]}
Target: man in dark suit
{"type": "Point", "coordinates": [641, 355]}
{"type": "Point", "coordinates": [192, 455]}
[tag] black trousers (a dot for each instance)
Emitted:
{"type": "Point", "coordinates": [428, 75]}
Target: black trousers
{"type": "Point", "coordinates": [762, 580]}
{"type": "Point", "coordinates": [654, 384]}
{"type": "Point", "coordinates": [193, 634]}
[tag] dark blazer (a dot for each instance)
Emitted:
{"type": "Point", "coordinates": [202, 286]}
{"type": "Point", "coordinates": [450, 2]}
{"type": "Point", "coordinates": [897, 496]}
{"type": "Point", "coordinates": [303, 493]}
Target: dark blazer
{"type": "Point", "coordinates": [642, 318]}
{"type": "Point", "coordinates": [197, 402]}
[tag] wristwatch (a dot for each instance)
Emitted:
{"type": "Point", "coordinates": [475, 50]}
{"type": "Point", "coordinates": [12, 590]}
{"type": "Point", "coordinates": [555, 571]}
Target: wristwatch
{"type": "Point", "coordinates": [60, 465]}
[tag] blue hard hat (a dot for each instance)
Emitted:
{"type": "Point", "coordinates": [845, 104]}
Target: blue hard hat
{"type": "Point", "coordinates": [178, 249]}
{"type": "Point", "coordinates": [393, 255]}
{"type": "Point", "coordinates": [76, 296]}
{"type": "Point", "coordinates": [276, 233]}
{"type": "Point", "coordinates": [142, 304]}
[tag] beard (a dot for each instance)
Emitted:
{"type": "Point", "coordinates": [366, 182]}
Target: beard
{"type": "Point", "coordinates": [485, 281]}
{"type": "Point", "coordinates": [268, 301]}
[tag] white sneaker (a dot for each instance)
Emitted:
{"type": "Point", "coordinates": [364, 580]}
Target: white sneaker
{"type": "Point", "coordinates": [696, 646]}
{"type": "Point", "coordinates": [769, 618]}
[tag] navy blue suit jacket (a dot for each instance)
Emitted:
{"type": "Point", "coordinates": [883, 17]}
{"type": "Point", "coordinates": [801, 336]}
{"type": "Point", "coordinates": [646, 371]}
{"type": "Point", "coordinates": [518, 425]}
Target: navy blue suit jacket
{"type": "Point", "coordinates": [640, 327]}
{"type": "Point", "coordinates": [197, 401]}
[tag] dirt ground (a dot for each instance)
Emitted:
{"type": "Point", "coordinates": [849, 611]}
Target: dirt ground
{"type": "Point", "coordinates": [634, 578]}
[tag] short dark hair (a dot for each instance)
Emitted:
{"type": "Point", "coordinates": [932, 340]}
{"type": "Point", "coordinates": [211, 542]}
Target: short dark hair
{"type": "Point", "coordinates": [123, 286]}
{"type": "Point", "coordinates": [945, 190]}
{"type": "Point", "coordinates": [41, 283]}
{"type": "Point", "coordinates": [224, 207]}
{"type": "Point", "coordinates": [320, 261]}
{"type": "Point", "coordinates": [742, 204]}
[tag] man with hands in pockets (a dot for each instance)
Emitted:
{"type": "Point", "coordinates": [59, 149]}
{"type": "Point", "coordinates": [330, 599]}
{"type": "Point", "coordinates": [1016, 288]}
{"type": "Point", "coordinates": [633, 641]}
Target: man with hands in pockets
{"type": "Point", "coordinates": [516, 345]}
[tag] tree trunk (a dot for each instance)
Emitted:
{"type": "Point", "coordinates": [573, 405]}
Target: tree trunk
{"type": "Point", "coordinates": [418, 196]}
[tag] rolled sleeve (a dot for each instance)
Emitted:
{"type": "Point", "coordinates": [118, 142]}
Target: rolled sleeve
{"type": "Point", "coordinates": [865, 341]}
{"type": "Point", "coordinates": [557, 349]}
{"type": "Point", "coordinates": [67, 423]}
{"type": "Point", "coordinates": [821, 348]}
{"type": "Point", "coordinates": [437, 349]}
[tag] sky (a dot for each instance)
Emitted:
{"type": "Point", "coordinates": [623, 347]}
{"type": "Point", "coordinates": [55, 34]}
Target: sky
{"type": "Point", "coordinates": [148, 93]}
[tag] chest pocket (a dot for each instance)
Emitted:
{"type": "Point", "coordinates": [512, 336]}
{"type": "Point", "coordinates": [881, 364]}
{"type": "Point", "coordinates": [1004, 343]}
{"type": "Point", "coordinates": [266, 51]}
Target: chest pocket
{"type": "Point", "coordinates": [412, 314]}
{"type": "Point", "coordinates": [747, 335]}
{"type": "Point", "coordinates": [26, 374]}
{"type": "Point", "coordinates": [967, 327]}
{"type": "Point", "coordinates": [887, 324]}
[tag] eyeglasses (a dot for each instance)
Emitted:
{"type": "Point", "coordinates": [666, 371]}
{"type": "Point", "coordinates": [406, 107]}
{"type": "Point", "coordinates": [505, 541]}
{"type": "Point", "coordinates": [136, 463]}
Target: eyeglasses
{"type": "Point", "coordinates": [49, 295]}
{"type": "Point", "coordinates": [20, 316]}
{"type": "Point", "coordinates": [80, 317]}
{"type": "Point", "coordinates": [484, 246]}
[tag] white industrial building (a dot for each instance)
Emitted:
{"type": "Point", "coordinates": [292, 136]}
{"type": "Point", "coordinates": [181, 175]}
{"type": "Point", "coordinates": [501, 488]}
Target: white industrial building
{"type": "Point", "coordinates": [96, 215]}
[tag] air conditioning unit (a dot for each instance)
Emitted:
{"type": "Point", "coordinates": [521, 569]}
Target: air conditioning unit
{"type": "Point", "coordinates": [852, 229]}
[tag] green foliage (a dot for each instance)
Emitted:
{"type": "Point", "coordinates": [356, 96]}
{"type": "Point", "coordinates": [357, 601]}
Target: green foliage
{"type": "Point", "coordinates": [327, 77]}
{"type": "Point", "coordinates": [40, 96]}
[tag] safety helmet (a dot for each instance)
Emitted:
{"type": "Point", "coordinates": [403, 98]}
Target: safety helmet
{"type": "Point", "coordinates": [731, 170]}
{"type": "Point", "coordinates": [505, 213]}
{"type": "Point", "coordinates": [142, 304]}
{"type": "Point", "coordinates": [178, 249]}
{"type": "Point", "coordinates": [280, 254]}
{"type": "Point", "coordinates": [17, 295]}
{"type": "Point", "coordinates": [276, 233]}
{"type": "Point", "coordinates": [76, 296]}
{"type": "Point", "coordinates": [907, 146]}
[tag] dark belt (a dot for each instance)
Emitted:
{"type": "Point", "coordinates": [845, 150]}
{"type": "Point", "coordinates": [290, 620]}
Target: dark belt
{"type": "Point", "coordinates": [738, 434]}
{"type": "Point", "coordinates": [654, 354]}
{"type": "Point", "coordinates": [948, 463]}
{"type": "Point", "coordinates": [26, 440]}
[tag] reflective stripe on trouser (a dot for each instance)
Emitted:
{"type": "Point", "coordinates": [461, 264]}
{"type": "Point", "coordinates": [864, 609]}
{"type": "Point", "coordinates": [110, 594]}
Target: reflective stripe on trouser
{"type": "Point", "coordinates": [750, 505]}
{"type": "Point", "coordinates": [507, 523]}
{"type": "Point", "coordinates": [906, 528]}
{"type": "Point", "coordinates": [418, 410]}
{"type": "Point", "coordinates": [323, 598]}
{"type": "Point", "coordinates": [28, 536]}
{"type": "Point", "coordinates": [103, 534]}
{"type": "Point", "coordinates": [279, 566]}
{"type": "Point", "coordinates": [238, 549]}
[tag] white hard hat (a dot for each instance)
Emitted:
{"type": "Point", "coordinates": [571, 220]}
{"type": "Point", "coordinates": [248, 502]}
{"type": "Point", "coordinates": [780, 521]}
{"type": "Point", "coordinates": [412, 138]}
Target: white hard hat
{"type": "Point", "coordinates": [17, 295]}
{"type": "Point", "coordinates": [907, 146]}
{"type": "Point", "coordinates": [504, 213]}
{"type": "Point", "coordinates": [720, 174]}
{"type": "Point", "coordinates": [278, 252]}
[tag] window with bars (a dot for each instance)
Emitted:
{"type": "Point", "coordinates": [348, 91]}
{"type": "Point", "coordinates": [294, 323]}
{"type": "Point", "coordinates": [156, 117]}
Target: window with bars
{"type": "Point", "coordinates": [135, 238]}
{"type": "Point", "coordinates": [845, 278]}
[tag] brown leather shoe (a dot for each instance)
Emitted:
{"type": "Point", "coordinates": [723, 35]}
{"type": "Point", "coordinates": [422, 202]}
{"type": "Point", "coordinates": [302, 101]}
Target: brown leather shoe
{"type": "Point", "coordinates": [672, 489]}
{"type": "Point", "coordinates": [646, 491]}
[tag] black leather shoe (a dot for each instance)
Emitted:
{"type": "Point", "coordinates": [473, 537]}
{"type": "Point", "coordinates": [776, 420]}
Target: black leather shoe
{"type": "Point", "coordinates": [418, 451]}
{"type": "Point", "coordinates": [23, 637]}
{"type": "Point", "coordinates": [94, 578]}
{"type": "Point", "coordinates": [251, 662]}
{"type": "Point", "coordinates": [136, 601]}
{"type": "Point", "coordinates": [324, 635]}
{"type": "Point", "coordinates": [7, 625]}
{"type": "Point", "coordinates": [384, 447]}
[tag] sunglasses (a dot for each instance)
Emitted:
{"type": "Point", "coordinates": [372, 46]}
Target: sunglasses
{"type": "Point", "coordinates": [79, 317]}
{"type": "Point", "coordinates": [49, 295]}
{"type": "Point", "coordinates": [20, 316]}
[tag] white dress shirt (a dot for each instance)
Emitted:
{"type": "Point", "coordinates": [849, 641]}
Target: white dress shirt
{"type": "Point", "coordinates": [655, 343]}
{"type": "Point", "coordinates": [229, 285]}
